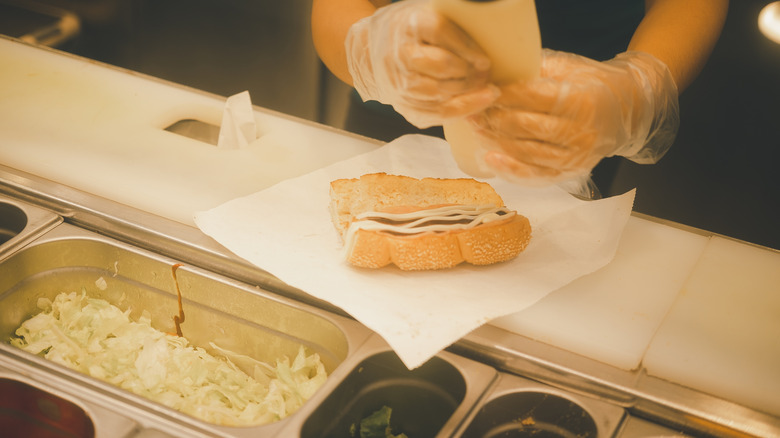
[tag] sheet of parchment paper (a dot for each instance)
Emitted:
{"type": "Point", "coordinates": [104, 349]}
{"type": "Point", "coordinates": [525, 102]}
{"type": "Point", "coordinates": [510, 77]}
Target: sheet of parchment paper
{"type": "Point", "coordinates": [287, 231]}
{"type": "Point", "coordinates": [238, 127]}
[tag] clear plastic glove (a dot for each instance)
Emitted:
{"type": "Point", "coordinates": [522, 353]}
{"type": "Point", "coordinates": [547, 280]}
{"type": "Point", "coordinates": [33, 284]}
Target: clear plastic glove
{"type": "Point", "coordinates": [408, 56]}
{"type": "Point", "coordinates": [559, 126]}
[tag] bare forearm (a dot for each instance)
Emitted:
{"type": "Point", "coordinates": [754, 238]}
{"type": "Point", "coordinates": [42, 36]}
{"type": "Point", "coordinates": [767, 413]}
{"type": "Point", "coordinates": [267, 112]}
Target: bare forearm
{"type": "Point", "coordinates": [681, 33]}
{"type": "Point", "coordinates": [331, 20]}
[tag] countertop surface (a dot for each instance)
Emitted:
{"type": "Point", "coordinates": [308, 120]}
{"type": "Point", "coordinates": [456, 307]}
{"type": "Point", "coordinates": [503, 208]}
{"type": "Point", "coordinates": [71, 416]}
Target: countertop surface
{"type": "Point", "coordinates": [672, 300]}
{"type": "Point", "coordinates": [102, 130]}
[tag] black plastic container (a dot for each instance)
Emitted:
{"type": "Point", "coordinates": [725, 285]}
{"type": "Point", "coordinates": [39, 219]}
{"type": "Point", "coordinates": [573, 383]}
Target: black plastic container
{"type": "Point", "coordinates": [422, 400]}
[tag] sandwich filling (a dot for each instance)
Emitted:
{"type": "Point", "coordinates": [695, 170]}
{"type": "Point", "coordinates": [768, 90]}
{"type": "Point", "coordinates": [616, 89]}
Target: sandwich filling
{"type": "Point", "coordinates": [434, 220]}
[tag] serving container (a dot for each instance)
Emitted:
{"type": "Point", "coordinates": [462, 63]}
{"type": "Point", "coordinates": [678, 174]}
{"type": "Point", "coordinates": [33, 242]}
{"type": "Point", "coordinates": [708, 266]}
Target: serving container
{"type": "Point", "coordinates": [28, 410]}
{"type": "Point", "coordinates": [518, 407]}
{"type": "Point", "coordinates": [431, 400]}
{"type": "Point", "coordinates": [449, 396]}
{"type": "Point", "coordinates": [234, 316]}
{"type": "Point", "coordinates": [21, 222]}
{"type": "Point", "coordinates": [364, 373]}
{"type": "Point", "coordinates": [63, 240]}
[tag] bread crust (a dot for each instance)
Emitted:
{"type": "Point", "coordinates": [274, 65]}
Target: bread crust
{"type": "Point", "coordinates": [492, 242]}
{"type": "Point", "coordinates": [486, 244]}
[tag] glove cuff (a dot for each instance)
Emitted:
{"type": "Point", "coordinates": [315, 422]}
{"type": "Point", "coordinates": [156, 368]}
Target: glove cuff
{"type": "Point", "coordinates": [359, 59]}
{"type": "Point", "coordinates": [657, 124]}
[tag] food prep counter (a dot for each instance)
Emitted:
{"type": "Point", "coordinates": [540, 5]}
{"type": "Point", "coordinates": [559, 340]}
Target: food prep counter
{"type": "Point", "coordinates": [678, 334]}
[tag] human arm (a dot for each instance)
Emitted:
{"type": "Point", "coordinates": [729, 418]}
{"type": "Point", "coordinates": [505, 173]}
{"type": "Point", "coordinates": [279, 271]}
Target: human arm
{"type": "Point", "coordinates": [330, 22]}
{"type": "Point", "coordinates": [681, 34]}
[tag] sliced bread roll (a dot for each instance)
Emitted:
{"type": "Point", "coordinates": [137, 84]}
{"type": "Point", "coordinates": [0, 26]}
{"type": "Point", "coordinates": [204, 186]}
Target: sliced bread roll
{"type": "Point", "coordinates": [424, 224]}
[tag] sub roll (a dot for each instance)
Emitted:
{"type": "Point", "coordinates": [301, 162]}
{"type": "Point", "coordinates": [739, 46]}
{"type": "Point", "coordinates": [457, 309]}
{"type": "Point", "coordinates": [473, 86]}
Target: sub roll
{"type": "Point", "coordinates": [424, 224]}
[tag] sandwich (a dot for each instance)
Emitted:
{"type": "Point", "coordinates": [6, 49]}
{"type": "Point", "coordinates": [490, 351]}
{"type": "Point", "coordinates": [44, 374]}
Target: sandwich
{"type": "Point", "coordinates": [424, 224]}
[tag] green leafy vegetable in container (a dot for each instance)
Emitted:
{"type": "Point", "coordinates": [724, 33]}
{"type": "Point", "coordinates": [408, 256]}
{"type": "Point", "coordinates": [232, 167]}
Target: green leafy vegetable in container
{"type": "Point", "coordinates": [377, 425]}
{"type": "Point", "coordinates": [98, 339]}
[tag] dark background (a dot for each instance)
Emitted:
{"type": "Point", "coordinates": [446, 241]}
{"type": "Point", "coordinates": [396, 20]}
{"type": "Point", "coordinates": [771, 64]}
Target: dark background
{"type": "Point", "coordinates": [720, 176]}
{"type": "Point", "coordinates": [722, 172]}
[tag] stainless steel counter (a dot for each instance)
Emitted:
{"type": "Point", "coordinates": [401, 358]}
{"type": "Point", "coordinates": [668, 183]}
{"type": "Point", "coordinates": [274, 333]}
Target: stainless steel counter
{"type": "Point", "coordinates": [52, 206]}
{"type": "Point", "coordinates": [641, 396]}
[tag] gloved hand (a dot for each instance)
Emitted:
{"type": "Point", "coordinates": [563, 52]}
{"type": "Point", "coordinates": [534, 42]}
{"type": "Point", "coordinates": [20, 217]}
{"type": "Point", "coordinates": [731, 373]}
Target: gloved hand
{"type": "Point", "coordinates": [559, 126]}
{"type": "Point", "coordinates": [408, 56]}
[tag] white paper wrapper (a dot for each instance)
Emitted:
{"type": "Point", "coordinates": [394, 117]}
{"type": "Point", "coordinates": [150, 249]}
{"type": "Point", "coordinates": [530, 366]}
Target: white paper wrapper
{"type": "Point", "coordinates": [238, 127]}
{"type": "Point", "coordinates": [287, 231]}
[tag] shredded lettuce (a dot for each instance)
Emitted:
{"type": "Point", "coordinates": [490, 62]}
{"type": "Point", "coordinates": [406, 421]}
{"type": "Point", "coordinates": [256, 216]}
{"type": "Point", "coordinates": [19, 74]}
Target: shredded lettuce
{"type": "Point", "coordinates": [96, 338]}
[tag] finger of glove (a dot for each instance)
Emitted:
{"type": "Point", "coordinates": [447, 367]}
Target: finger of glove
{"type": "Point", "coordinates": [440, 63]}
{"type": "Point", "coordinates": [436, 30]}
{"type": "Point", "coordinates": [538, 95]}
{"type": "Point", "coordinates": [426, 60]}
{"type": "Point", "coordinates": [469, 103]}
{"type": "Point", "coordinates": [536, 153]}
{"type": "Point", "coordinates": [562, 65]}
{"type": "Point", "coordinates": [570, 99]}
{"type": "Point", "coordinates": [424, 113]}
{"type": "Point", "coordinates": [420, 86]}
{"type": "Point", "coordinates": [565, 137]}
{"type": "Point", "coordinates": [519, 171]}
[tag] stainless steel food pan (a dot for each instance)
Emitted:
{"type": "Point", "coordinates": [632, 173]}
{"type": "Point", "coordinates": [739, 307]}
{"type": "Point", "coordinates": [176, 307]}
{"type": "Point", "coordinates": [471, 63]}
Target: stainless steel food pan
{"type": "Point", "coordinates": [429, 401]}
{"type": "Point", "coordinates": [28, 409]}
{"type": "Point", "coordinates": [518, 407]}
{"type": "Point", "coordinates": [235, 316]}
{"type": "Point", "coordinates": [20, 223]}
{"type": "Point", "coordinates": [635, 427]}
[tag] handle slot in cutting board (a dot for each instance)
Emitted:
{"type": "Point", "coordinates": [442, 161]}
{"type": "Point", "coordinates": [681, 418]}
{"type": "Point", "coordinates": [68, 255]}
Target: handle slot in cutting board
{"type": "Point", "coordinates": [196, 130]}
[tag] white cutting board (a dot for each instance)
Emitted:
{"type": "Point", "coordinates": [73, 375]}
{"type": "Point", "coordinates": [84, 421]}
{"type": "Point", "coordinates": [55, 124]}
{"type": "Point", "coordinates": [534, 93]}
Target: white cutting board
{"type": "Point", "coordinates": [722, 336]}
{"type": "Point", "coordinates": [101, 130]}
{"type": "Point", "coordinates": [612, 314]}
